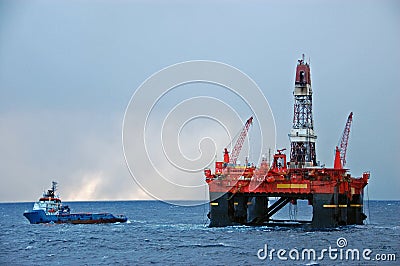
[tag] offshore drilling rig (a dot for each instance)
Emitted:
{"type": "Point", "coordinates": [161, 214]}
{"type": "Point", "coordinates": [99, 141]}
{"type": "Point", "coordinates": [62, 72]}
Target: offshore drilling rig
{"type": "Point", "coordinates": [239, 195]}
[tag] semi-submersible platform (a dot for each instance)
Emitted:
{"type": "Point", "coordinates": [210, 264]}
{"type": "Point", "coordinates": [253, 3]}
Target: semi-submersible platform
{"type": "Point", "coordinates": [239, 195]}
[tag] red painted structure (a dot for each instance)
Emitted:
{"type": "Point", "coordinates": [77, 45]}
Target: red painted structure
{"type": "Point", "coordinates": [240, 194]}
{"type": "Point", "coordinates": [284, 180]}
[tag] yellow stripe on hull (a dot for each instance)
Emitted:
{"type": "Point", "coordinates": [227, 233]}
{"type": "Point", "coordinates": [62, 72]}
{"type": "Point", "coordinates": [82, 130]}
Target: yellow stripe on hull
{"type": "Point", "coordinates": [341, 205]}
{"type": "Point", "coordinates": [291, 186]}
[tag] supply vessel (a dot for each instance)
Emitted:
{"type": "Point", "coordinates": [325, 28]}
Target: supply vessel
{"type": "Point", "coordinates": [49, 209]}
{"type": "Point", "coordinates": [240, 194]}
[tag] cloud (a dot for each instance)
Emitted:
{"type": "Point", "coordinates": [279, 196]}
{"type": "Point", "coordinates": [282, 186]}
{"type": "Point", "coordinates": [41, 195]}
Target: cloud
{"type": "Point", "coordinates": [82, 151]}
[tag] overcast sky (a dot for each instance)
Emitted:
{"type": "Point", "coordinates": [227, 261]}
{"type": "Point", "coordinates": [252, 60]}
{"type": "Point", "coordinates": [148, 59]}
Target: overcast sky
{"type": "Point", "coordinates": [69, 68]}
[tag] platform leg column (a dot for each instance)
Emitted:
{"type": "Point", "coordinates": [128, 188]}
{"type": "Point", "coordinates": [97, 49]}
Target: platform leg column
{"type": "Point", "coordinates": [221, 209]}
{"type": "Point", "coordinates": [324, 211]}
{"type": "Point", "coordinates": [240, 208]}
{"type": "Point", "coordinates": [257, 209]}
{"type": "Point", "coordinates": [343, 209]}
{"type": "Point", "coordinates": [355, 213]}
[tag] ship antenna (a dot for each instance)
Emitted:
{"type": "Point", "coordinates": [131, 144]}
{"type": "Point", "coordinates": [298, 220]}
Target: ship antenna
{"type": "Point", "coordinates": [54, 186]}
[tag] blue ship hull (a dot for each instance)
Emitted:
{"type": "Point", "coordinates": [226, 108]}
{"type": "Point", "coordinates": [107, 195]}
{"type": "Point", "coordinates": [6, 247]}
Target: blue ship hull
{"type": "Point", "coordinates": [39, 216]}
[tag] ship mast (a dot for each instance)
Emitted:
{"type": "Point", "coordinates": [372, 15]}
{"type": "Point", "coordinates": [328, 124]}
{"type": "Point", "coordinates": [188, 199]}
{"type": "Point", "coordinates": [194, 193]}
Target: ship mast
{"type": "Point", "coordinates": [52, 192]}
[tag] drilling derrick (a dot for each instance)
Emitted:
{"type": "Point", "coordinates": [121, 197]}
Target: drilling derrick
{"type": "Point", "coordinates": [302, 137]}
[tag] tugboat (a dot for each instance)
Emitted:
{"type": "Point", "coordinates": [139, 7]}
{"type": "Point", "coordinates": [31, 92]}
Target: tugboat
{"type": "Point", "coordinates": [49, 209]}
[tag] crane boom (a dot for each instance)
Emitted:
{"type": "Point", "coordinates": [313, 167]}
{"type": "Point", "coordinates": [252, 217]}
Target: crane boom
{"type": "Point", "coordinates": [239, 143]}
{"type": "Point", "coordinates": [345, 140]}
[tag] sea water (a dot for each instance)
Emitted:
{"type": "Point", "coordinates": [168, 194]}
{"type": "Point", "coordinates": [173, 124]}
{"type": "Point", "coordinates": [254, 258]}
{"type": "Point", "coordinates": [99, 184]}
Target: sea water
{"type": "Point", "coordinates": [163, 234]}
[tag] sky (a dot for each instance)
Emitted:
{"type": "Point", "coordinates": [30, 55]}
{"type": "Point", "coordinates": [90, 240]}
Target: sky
{"type": "Point", "coordinates": [68, 70]}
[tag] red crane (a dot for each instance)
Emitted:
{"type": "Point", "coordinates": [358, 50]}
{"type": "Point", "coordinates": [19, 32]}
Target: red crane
{"type": "Point", "coordinates": [239, 144]}
{"type": "Point", "coordinates": [340, 157]}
